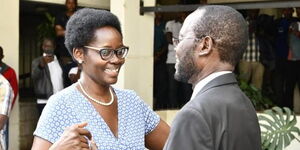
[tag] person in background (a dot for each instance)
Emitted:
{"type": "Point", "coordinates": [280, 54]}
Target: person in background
{"type": "Point", "coordinates": [293, 61]}
{"type": "Point", "coordinates": [219, 115]}
{"type": "Point", "coordinates": [61, 51]}
{"type": "Point", "coordinates": [281, 54]}
{"type": "Point", "coordinates": [46, 74]}
{"type": "Point", "coordinates": [91, 109]}
{"type": "Point", "coordinates": [176, 98]}
{"type": "Point", "coordinates": [160, 91]}
{"type": "Point", "coordinates": [6, 98]}
{"type": "Point", "coordinates": [250, 67]}
{"type": "Point", "coordinates": [10, 75]}
{"type": "Point", "coordinates": [60, 27]}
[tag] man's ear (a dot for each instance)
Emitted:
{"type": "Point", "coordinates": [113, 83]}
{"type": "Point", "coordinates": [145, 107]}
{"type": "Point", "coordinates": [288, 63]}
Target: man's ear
{"type": "Point", "coordinates": [78, 55]}
{"type": "Point", "coordinates": [205, 46]}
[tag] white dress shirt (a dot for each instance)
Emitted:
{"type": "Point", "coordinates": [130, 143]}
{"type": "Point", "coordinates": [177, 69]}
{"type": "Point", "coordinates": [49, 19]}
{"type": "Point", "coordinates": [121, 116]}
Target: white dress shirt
{"type": "Point", "coordinates": [204, 81]}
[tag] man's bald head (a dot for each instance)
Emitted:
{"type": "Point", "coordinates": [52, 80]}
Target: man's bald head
{"type": "Point", "coordinates": [225, 26]}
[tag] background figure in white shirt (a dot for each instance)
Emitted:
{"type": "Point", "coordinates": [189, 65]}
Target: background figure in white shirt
{"type": "Point", "coordinates": [6, 99]}
{"type": "Point", "coordinates": [47, 74]}
{"type": "Point", "coordinates": [172, 32]}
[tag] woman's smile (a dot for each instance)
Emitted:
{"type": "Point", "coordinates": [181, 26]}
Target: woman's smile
{"type": "Point", "coordinates": [112, 71]}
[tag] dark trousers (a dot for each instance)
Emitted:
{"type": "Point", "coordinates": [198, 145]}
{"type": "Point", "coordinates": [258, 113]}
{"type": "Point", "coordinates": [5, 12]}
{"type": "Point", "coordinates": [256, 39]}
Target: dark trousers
{"type": "Point", "coordinates": [40, 108]}
{"type": "Point", "coordinates": [292, 78]}
{"type": "Point", "coordinates": [173, 87]}
{"type": "Point", "coordinates": [160, 91]}
{"type": "Point", "coordinates": [279, 82]}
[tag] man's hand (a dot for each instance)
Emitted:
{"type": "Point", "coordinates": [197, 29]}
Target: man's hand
{"type": "Point", "coordinates": [48, 58]}
{"type": "Point", "coordinates": [75, 137]}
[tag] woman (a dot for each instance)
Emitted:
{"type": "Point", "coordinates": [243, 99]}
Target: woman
{"type": "Point", "coordinates": [114, 118]}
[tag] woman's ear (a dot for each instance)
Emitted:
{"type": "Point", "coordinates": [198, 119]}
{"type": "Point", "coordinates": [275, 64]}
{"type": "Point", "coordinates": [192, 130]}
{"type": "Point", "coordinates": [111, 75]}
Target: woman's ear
{"type": "Point", "coordinates": [78, 55]}
{"type": "Point", "coordinates": [205, 46]}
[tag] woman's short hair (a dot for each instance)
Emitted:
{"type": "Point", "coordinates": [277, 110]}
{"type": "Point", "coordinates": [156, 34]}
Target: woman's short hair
{"type": "Point", "coordinates": [81, 27]}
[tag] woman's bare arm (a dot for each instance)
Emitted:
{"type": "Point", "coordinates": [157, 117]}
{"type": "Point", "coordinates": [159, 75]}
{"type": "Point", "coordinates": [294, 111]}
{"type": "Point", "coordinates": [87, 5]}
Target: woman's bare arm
{"type": "Point", "coordinates": [156, 139]}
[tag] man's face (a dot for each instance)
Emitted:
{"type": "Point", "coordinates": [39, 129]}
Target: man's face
{"type": "Point", "coordinates": [71, 5]}
{"type": "Point", "coordinates": [48, 47]}
{"type": "Point", "coordinates": [185, 65]}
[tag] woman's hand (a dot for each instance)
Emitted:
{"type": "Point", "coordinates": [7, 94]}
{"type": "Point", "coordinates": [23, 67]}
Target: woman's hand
{"type": "Point", "coordinates": [75, 137]}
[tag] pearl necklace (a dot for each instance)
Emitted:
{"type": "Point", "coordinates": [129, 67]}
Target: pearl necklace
{"type": "Point", "coordinates": [95, 100]}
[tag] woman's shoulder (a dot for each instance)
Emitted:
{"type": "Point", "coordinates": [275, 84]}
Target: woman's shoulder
{"type": "Point", "coordinates": [129, 96]}
{"type": "Point", "coordinates": [124, 92]}
{"type": "Point", "coordinates": [64, 95]}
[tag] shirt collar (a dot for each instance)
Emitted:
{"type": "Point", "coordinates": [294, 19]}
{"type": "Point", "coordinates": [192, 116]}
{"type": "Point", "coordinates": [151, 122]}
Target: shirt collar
{"type": "Point", "coordinates": [204, 81]}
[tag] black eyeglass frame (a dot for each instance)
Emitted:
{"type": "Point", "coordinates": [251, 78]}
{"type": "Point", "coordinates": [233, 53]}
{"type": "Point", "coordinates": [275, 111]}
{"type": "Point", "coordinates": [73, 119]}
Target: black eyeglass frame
{"type": "Point", "coordinates": [115, 51]}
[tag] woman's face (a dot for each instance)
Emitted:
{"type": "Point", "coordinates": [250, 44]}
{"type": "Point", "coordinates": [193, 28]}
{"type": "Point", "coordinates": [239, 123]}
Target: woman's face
{"type": "Point", "coordinates": [104, 72]}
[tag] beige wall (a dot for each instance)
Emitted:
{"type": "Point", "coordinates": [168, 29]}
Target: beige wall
{"type": "Point", "coordinates": [86, 3]}
{"type": "Point", "coordinates": [137, 73]}
{"type": "Point", "coordinates": [9, 40]}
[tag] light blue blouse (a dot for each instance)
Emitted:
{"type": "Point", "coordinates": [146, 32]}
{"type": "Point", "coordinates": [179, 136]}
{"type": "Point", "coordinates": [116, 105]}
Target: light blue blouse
{"type": "Point", "coordinates": [68, 107]}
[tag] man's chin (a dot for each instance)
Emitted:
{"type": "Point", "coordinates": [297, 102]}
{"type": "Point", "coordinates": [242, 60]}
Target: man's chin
{"type": "Point", "coordinates": [180, 77]}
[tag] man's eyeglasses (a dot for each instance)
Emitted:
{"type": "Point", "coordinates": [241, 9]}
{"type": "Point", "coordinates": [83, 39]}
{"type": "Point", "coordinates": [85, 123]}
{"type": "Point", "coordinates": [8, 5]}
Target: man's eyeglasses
{"type": "Point", "coordinates": [107, 53]}
{"type": "Point", "coordinates": [176, 41]}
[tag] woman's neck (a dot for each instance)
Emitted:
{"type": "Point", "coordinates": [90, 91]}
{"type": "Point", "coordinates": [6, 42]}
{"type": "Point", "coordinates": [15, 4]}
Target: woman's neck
{"type": "Point", "coordinates": [94, 89]}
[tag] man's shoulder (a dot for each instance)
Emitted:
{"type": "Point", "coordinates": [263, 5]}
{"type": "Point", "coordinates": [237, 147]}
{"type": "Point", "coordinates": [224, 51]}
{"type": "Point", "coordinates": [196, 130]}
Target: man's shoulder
{"type": "Point", "coordinates": [170, 21]}
{"type": "Point", "coordinates": [173, 23]}
{"type": "Point", "coordinates": [10, 71]}
{"type": "Point", "coordinates": [37, 59]}
{"type": "Point", "coordinates": [218, 97]}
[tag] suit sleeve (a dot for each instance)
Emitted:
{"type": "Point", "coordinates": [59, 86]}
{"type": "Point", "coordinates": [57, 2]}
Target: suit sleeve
{"type": "Point", "coordinates": [36, 70]}
{"type": "Point", "coordinates": [189, 131]}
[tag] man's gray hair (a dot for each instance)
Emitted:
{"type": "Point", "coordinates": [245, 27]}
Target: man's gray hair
{"type": "Point", "coordinates": [227, 28]}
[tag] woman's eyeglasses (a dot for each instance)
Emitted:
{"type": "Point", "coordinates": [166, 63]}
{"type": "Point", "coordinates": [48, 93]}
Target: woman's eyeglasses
{"type": "Point", "coordinates": [107, 53]}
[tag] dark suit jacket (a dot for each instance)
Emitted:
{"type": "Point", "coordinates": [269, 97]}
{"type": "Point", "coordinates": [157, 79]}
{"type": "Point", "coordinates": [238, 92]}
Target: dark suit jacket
{"type": "Point", "coordinates": [220, 117]}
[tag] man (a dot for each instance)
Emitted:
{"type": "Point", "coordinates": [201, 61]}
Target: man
{"type": "Point", "coordinates": [61, 51]}
{"type": "Point", "coordinates": [293, 61]}
{"type": "Point", "coordinates": [251, 69]}
{"type": "Point", "coordinates": [172, 31]}
{"type": "Point", "coordinates": [60, 27]}
{"type": "Point", "coordinates": [281, 53]}
{"type": "Point", "coordinates": [47, 74]}
{"type": "Point", "coordinates": [218, 116]}
{"type": "Point", "coordinates": [10, 75]}
{"type": "Point", "coordinates": [160, 90]}
{"type": "Point", "coordinates": [6, 98]}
